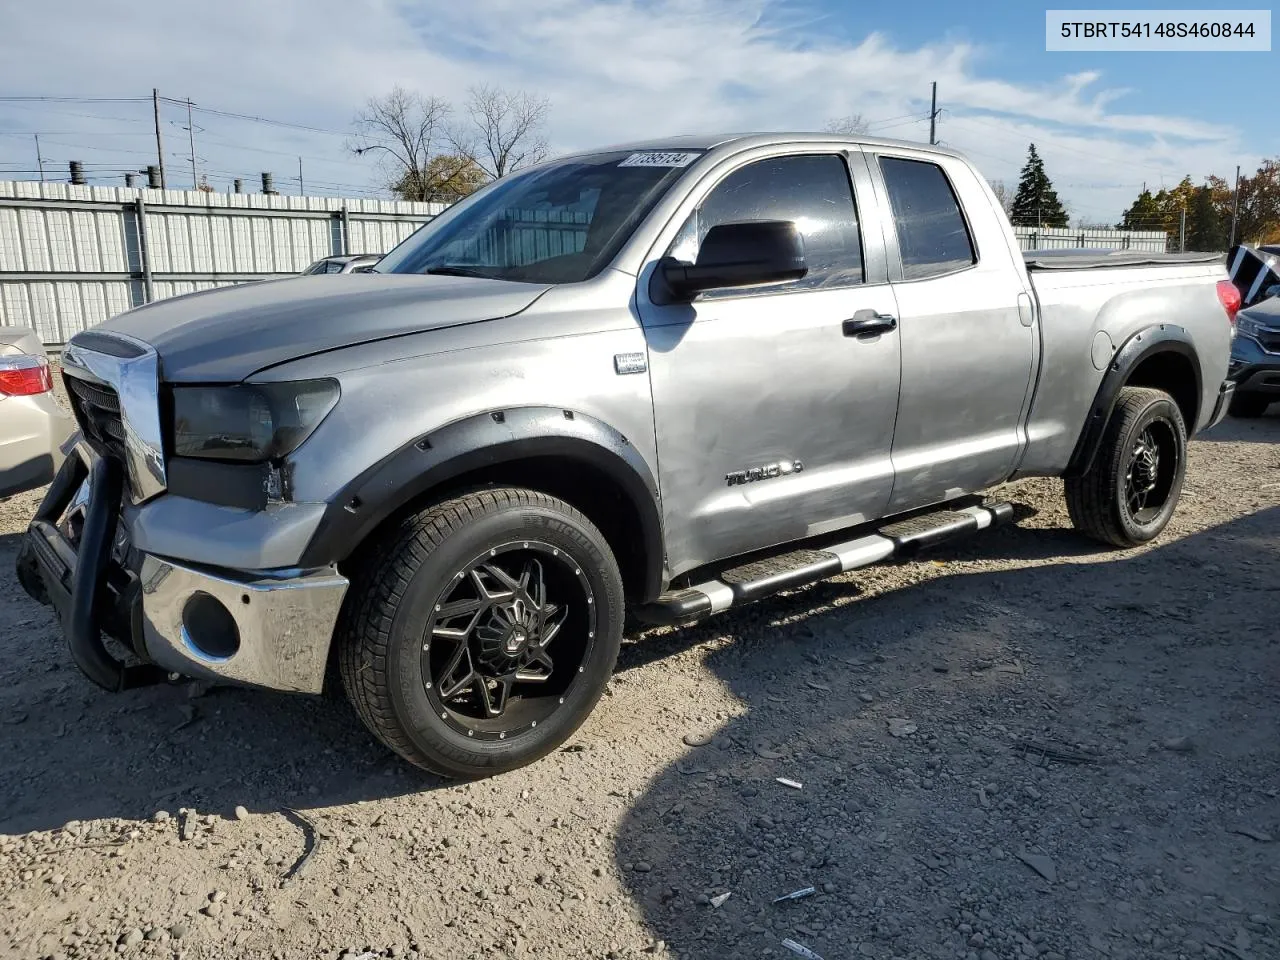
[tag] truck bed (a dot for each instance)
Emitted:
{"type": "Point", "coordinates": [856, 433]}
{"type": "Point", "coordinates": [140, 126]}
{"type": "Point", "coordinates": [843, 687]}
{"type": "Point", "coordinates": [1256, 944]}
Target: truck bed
{"type": "Point", "coordinates": [1088, 309]}
{"type": "Point", "coordinates": [1087, 259]}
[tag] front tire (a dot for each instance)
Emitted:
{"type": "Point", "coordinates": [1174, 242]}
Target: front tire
{"type": "Point", "coordinates": [1249, 405]}
{"type": "Point", "coordinates": [1130, 492]}
{"type": "Point", "coordinates": [478, 635]}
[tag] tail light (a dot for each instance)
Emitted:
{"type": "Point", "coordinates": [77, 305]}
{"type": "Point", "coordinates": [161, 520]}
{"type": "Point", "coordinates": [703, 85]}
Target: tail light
{"type": "Point", "coordinates": [24, 376]}
{"type": "Point", "coordinates": [1229, 297]}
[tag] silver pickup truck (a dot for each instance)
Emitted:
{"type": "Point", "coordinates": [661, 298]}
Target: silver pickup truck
{"type": "Point", "coordinates": [668, 377]}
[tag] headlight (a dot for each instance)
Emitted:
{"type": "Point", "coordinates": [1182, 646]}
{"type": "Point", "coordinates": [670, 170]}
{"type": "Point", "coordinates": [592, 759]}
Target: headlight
{"type": "Point", "coordinates": [249, 422]}
{"type": "Point", "coordinates": [1247, 326]}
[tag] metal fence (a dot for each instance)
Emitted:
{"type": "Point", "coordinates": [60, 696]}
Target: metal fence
{"type": "Point", "coordinates": [1065, 238]}
{"type": "Point", "coordinates": [74, 256]}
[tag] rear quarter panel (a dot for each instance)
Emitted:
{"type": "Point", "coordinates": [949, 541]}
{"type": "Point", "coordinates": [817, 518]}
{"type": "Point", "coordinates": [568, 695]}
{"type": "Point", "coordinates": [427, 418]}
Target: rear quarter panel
{"type": "Point", "coordinates": [1086, 315]}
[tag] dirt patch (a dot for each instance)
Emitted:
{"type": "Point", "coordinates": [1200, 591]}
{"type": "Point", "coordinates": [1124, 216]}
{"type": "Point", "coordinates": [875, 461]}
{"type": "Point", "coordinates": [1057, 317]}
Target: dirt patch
{"type": "Point", "coordinates": [1021, 746]}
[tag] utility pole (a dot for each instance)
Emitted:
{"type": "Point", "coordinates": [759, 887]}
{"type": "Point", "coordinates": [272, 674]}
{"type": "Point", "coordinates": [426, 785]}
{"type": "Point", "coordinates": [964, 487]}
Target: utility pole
{"type": "Point", "coordinates": [191, 139]}
{"type": "Point", "coordinates": [155, 105]}
{"type": "Point", "coordinates": [39, 159]}
{"type": "Point", "coordinates": [1235, 208]}
{"type": "Point", "coordinates": [933, 116]}
{"type": "Point", "coordinates": [1182, 232]}
{"type": "Point", "coordinates": [302, 189]}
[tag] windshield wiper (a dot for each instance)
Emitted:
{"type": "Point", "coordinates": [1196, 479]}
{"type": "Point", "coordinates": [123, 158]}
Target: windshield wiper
{"type": "Point", "coordinates": [454, 270]}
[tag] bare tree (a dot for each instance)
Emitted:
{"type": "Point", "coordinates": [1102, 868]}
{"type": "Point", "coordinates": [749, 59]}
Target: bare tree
{"type": "Point", "coordinates": [502, 131]}
{"type": "Point", "coordinates": [407, 130]}
{"type": "Point", "coordinates": [1001, 190]}
{"type": "Point", "coordinates": [850, 126]}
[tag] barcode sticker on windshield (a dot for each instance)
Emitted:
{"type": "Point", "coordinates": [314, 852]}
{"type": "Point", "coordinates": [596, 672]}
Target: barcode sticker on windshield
{"type": "Point", "coordinates": [659, 160]}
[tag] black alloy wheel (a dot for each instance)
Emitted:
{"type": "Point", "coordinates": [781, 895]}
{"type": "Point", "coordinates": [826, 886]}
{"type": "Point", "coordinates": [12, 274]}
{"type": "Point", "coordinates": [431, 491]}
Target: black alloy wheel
{"type": "Point", "coordinates": [1153, 467]}
{"type": "Point", "coordinates": [511, 633]}
{"type": "Point", "coordinates": [1129, 492]}
{"type": "Point", "coordinates": [478, 634]}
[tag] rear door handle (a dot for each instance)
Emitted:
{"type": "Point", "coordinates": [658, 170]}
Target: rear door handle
{"type": "Point", "coordinates": [865, 323]}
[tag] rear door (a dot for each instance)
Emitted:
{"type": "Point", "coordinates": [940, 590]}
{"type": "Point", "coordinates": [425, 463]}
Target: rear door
{"type": "Point", "coordinates": [967, 331]}
{"type": "Point", "coordinates": [774, 417]}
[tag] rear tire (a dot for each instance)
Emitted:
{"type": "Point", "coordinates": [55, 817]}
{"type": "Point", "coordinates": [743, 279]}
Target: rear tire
{"type": "Point", "coordinates": [1130, 492]}
{"type": "Point", "coordinates": [1249, 405]}
{"type": "Point", "coordinates": [478, 635]}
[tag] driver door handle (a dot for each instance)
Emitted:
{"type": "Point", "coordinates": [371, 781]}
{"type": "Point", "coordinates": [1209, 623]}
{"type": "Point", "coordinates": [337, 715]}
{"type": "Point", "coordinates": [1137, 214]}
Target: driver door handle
{"type": "Point", "coordinates": [867, 323]}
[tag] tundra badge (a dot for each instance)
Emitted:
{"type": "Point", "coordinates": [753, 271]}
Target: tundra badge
{"type": "Point", "coordinates": [752, 474]}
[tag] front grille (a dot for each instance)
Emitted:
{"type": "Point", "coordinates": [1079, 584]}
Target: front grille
{"type": "Point", "coordinates": [97, 410]}
{"type": "Point", "coordinates": [1270, 342]}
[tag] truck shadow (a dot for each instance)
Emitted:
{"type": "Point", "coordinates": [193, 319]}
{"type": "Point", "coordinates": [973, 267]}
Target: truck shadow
{"type": "Point", "coordinates": [69, 751]}
{"type": "Point", "coordinates": [1104, 658]}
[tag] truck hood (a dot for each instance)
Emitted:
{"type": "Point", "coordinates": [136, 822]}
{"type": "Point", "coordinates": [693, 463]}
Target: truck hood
{"type": "Point", "coordinates": [224, 335]}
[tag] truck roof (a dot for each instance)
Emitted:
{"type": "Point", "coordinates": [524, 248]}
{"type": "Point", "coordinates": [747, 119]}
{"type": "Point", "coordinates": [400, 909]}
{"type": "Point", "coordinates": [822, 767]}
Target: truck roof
{"type": "Point", "coordinates": [709, 141]}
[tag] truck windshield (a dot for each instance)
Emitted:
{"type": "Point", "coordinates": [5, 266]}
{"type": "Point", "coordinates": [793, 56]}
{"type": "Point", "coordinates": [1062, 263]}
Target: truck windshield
{"type": "Point", "coordinates": [559, 223]}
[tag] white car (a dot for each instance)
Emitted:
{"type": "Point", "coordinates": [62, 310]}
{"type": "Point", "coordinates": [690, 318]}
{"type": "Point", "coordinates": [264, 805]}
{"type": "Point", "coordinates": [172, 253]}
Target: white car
{"type": "Point", "coordinates": [32, 426]}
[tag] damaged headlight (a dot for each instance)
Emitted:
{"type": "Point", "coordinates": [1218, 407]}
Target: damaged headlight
{"type": "Point", "coordinates": [248, 422]}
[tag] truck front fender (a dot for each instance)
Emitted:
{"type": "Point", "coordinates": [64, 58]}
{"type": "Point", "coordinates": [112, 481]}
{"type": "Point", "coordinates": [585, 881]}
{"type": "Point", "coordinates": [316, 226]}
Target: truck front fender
{"type": "Point", "coordinates": [1143, 345]}
{"type": "Point", "coordinates": [445, 456]}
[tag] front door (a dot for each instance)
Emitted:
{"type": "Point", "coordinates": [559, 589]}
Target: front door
{"type": "Point", "coordinates": [774, 415]}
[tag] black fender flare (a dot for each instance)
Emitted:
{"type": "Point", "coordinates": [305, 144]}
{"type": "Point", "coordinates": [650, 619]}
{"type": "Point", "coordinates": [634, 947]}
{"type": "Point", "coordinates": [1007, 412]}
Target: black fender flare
{"type": "Point", "coordinates": [1145, 343]}
{"type": "Point", "coordinates": [486, 440]}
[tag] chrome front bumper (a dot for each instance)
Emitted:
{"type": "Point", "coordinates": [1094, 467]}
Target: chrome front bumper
{"type": "Point", "coordinates": [284, 623]}
{"type": "Point", "coordinates": [268, 629]}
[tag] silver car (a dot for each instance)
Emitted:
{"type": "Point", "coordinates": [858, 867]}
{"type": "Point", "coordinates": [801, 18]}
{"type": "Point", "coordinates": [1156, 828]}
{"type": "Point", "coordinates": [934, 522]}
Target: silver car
{"type": "Point", "coordinates": [31, 425]}
{"type": "Point", "coordinates": [344, 263]}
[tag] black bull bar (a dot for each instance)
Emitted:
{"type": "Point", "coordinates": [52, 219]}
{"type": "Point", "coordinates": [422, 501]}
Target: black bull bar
{"type": "Point", "coordinates": [74, 579]}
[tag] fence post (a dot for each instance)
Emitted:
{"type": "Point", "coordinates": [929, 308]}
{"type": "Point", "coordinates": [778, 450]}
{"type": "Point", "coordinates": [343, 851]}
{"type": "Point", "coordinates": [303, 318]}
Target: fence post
{"type": "Point", "coordinates": [144, 253]}
{"type": "Point", "coordinates": [346, 229]}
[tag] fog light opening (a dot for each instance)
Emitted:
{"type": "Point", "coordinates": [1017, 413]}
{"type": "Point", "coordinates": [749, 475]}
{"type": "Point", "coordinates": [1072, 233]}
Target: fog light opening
{"type": "Point", "coordinates": [209, 627]}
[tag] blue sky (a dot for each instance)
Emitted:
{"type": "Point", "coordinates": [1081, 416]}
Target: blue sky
{"type": "Point", "coordinates": [1011, 35]}
{"type": "Point", "coordinates": [621, 69]}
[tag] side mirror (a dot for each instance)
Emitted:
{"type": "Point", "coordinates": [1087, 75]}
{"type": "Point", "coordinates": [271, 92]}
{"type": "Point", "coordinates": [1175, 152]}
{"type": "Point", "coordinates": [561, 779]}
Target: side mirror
{"type": "Point", "coordinates": [744, 254]}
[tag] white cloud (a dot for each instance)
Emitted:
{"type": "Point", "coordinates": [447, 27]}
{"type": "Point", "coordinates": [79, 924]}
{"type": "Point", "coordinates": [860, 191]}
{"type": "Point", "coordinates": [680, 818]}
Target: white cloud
{"type": "Point", "coordinates": [614, 71]}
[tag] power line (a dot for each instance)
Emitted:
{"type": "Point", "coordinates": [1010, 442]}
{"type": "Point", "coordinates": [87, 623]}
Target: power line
{"type": "Point", "coordinates": [72, 133]}
{"type": "Point", "coordinates": [267, 120]}
{"type": "Point", "coordinates": [905, 116]}
{"type": "Point", "coordinates": [85, 146]}
{"type": "Point", "coordinates": [73, 99]}
{"type": "Point", "coordinates": [69, 113]}
{"type": "Point", "coordinates": [905, 121]}
{"type": "Point", "coordinates": [283, 153]}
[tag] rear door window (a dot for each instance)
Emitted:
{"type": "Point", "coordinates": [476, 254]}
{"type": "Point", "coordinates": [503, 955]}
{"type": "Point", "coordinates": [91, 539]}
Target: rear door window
{"type": "Point", "coordinates": [932, 235]}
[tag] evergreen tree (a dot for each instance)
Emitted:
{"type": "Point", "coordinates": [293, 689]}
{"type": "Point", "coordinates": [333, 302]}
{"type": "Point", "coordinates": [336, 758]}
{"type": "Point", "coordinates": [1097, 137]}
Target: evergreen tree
{"type": "Point", "coordinates": [1145, 214]}
{"type": "Point", "coordinates": [1206, 232]}
{"type": "Point", "coordinates": [1036, 203]}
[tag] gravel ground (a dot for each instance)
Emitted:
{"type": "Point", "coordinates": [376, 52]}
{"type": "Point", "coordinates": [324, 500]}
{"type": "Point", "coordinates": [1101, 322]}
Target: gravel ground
{"type": "Point", "coordinates": [1015, 747]}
